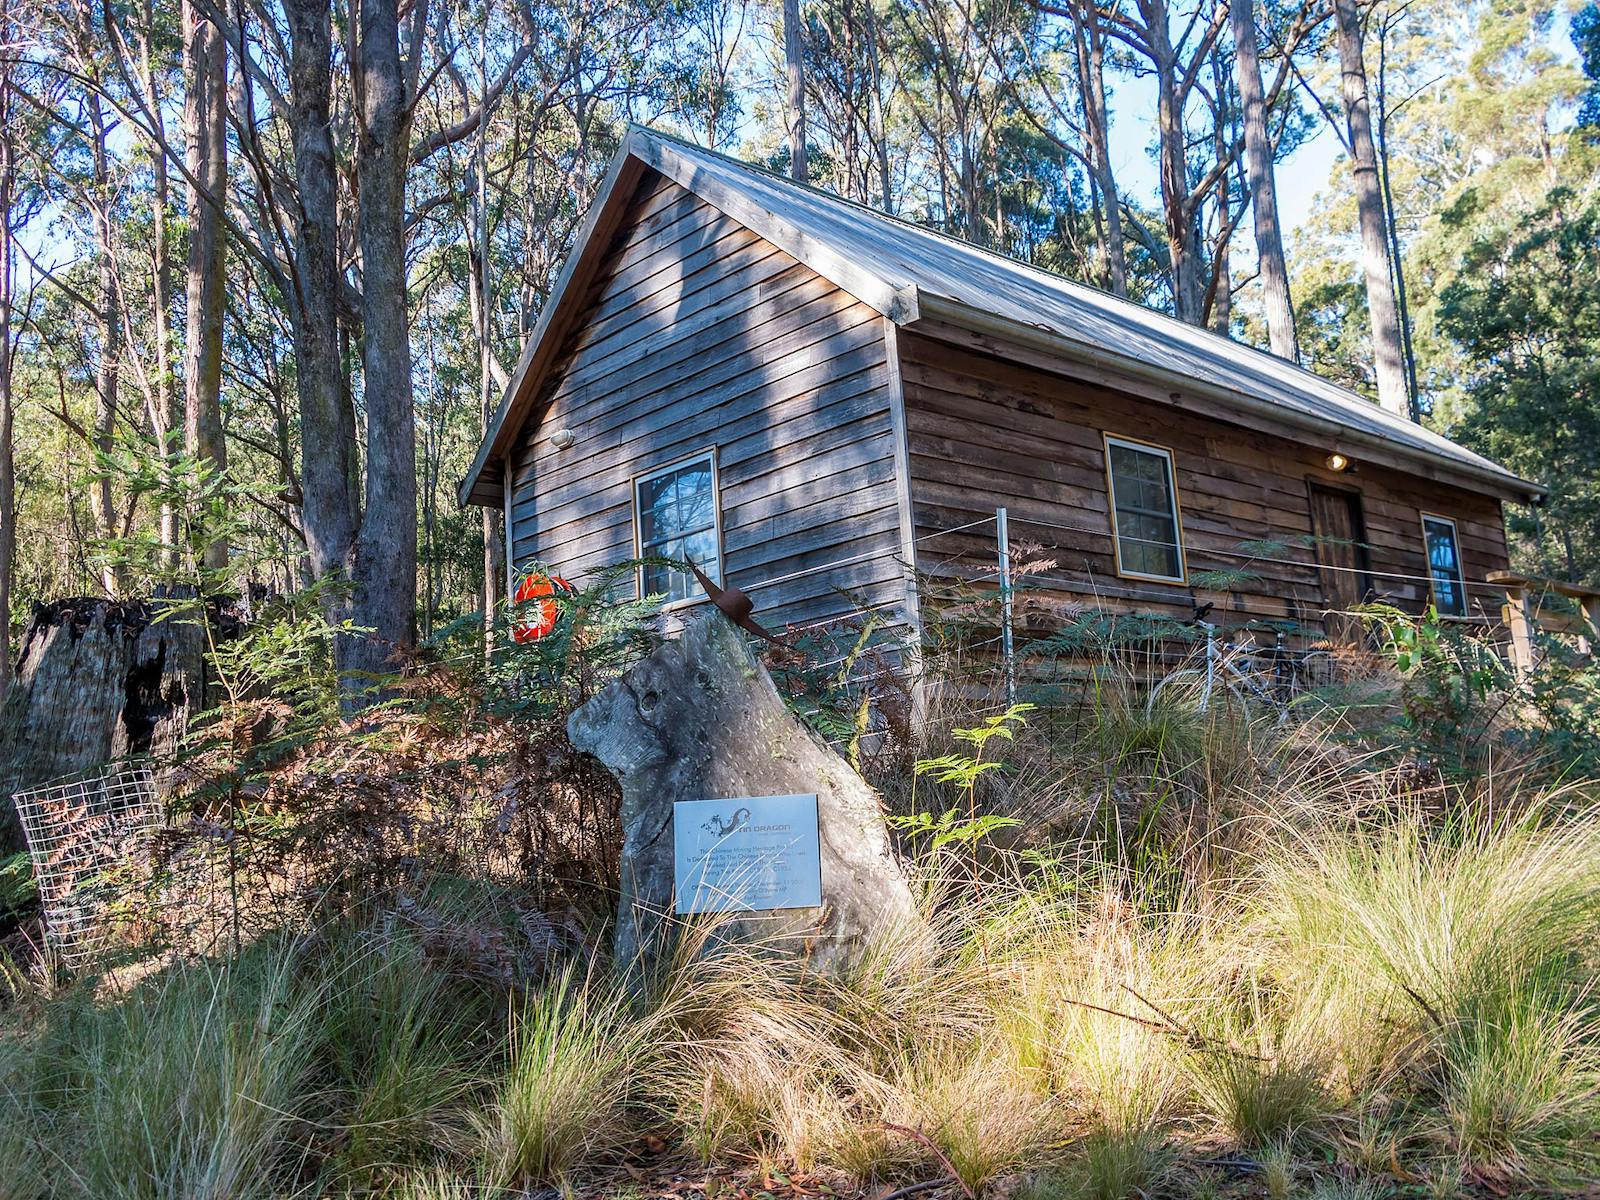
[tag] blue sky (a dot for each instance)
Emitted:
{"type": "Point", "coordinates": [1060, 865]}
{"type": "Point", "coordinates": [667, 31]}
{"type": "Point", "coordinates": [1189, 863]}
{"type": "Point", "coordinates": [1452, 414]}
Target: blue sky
{"type": "Point", "coordinates": [1300, 177]}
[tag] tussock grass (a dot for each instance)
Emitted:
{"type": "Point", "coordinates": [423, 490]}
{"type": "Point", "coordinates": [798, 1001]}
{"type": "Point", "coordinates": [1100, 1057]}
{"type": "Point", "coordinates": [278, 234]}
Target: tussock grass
{"type": "Point", "coordinates": [573, 1051]}
{"type": "Point", "coordinates": [1243, 955]}
{"type": "Point", "coordinates": [397, 1036]}
{"type": "Point", "coordinates": [187, 1086]}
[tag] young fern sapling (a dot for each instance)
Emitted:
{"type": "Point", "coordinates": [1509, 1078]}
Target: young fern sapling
{"type": "Point", "coordinates": [963, 771]}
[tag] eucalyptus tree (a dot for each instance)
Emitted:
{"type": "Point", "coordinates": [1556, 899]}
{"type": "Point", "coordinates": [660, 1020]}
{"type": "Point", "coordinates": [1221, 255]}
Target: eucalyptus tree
{"type": "Point", "coordinates": [795, 87]}
{"type": "Point", "coordinates": [205, 132]}
{"type": "Point", "coordinates": [1388, 356]}
{"type": "Point", "coordinates": [956, 65]}
{"type": "Point", "coordinates": [20, 206]}
{"type": "Point", "coordinates": [1258, 155]}
{"type": "Point", "coordinates": [849, 72]}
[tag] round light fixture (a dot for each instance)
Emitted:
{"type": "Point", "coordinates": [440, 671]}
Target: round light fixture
{"type": "Point", "coordinates": [1337, 461]}
{"type": "Point", "coordinates": [562, 439]}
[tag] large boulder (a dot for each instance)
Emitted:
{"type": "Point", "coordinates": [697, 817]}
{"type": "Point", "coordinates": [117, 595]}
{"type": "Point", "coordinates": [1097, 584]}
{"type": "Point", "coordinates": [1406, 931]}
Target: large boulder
{"type": "Point", "coordinates": [700, 719]}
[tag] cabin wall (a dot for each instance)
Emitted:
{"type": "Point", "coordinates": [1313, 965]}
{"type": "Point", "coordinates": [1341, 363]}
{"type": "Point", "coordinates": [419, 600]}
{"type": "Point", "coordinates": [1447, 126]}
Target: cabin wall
{"type": "Point", "coordinates": [700, 334]}
{"type": "Point", "coordinates": [986, 431]}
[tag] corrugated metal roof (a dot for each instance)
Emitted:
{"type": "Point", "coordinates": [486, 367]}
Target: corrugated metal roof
{"type": "Point", "coordinates": [906, 271]}
{"type": "Point", "coordinates": [904, 258]}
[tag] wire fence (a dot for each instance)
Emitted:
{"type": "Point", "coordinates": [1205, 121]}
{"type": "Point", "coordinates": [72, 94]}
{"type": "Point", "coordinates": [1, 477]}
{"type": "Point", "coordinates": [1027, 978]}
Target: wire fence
{"type": "Point", "coordinates": [81, 829]}
{"type": "Point", "coordinates": [988, 559]}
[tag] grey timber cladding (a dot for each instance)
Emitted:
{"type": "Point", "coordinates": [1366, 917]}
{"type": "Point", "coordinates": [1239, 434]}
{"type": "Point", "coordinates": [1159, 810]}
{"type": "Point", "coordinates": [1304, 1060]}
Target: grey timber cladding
{"type": "Point", "coordinates": [699, 335]}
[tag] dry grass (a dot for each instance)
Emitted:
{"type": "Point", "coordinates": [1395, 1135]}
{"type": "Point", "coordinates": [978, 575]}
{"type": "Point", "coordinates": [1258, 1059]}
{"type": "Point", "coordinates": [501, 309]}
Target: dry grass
{"type": "Point", "coordinates": [1221, 942]}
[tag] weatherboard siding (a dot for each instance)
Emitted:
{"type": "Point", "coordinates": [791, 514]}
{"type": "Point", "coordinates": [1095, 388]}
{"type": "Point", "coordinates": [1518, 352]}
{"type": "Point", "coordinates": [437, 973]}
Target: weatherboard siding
{"type": "Point", "coordinates": [987, 430]}
{"type": "Point", "coordinates": [698, 335]}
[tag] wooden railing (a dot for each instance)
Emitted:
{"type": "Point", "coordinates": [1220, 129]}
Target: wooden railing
{"type": "Point", "coordinates": [1532, 604]}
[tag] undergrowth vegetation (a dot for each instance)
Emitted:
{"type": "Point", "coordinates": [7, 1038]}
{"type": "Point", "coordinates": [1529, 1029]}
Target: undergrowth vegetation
{"type": "Point", "coordinates": [1165, 950]}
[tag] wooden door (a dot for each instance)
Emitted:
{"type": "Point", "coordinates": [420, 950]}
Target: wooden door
{"type": "Point", "coordinates": [1337, 524]}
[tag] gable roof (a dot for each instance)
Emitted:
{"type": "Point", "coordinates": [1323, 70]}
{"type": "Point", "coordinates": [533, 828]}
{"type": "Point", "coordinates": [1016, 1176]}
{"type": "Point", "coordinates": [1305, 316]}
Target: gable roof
{"type": "Point", "coordinates": [910, 273]}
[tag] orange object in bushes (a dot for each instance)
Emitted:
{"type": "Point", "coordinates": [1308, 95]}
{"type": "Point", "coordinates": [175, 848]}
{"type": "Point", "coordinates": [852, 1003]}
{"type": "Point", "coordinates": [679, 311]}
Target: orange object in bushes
{"type": "Point", "coordinates": [545, 614]}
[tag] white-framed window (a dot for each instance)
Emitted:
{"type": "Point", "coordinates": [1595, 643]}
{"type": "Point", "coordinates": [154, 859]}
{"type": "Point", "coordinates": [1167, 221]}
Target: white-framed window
{"type": "Point", "coordinates": [1444, 565]}
{"type": "Point", "coordinates": [1147, 530]}
{"type": "Point", "coordinates": [676, 515]}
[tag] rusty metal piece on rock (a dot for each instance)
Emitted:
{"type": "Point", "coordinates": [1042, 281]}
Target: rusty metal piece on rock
{"type": "Point", "coordinates": [734, 603]}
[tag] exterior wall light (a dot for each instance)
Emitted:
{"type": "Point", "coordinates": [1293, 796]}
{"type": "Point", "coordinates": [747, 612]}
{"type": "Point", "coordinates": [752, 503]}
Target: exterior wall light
{"type": "Point", "coordinates": [1337, 461]}
{"type": "Point", "coordinates": [563, 439]}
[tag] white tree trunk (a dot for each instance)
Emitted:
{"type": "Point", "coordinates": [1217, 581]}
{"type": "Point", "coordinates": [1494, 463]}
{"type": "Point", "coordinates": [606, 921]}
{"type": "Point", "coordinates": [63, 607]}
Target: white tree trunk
{"type": "Point", "coordinates": [1387, 357]}
{"type": "Point", "coordinates": [1263, 183]}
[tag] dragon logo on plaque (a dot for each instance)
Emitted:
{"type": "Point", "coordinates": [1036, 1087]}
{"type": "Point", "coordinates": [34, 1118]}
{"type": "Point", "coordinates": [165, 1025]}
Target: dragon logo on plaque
{"type": "Point", "coordinates": [755, 854]}
{"type": "Point", "coordinates": [722, 826]}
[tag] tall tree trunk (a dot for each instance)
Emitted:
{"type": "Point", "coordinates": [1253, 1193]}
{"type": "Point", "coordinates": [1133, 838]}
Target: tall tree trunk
{"type": "Point", "coordinates": [164, 417]}
{"type": "Point", "coordinates": [480, 292]}
{"type": "Point", "coordinates": [1263, 183]}
{"type": "Point", "coordinates": [1387, 356]}
{"type": "Point", "coordinates": [8, 471]}
{"type": "Point", "coordinates": [1091, 52]}
{"type": "Point", "coordinates": [108, 369]}
{"type": "Point", "coordinates": [1396, 251]}
{"type": "Point", "coordinates": [328, 477]}
{"type": "Point", "coordinates": [1178, 216]}
{"type": "Point", "coordinates": [206, 156]}
{"type": "Point", "coordinates": [386, 550]}
{"type": "Point", "coordinates": [795, 108]}
{"type": "Point", "coordinates": [1219, 296]}
{"type": "Point", "coordinates": [880, 129]}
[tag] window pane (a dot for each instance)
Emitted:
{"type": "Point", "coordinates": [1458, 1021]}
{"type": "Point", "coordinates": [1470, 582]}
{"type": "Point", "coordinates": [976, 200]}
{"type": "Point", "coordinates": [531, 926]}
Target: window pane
{"type": "Point", "coordinates": [1146, 517]}
{"type": "Point", "coordinates": [1444, 562]}
{"type": "Point", "coordinates": [676, 514]}
{"type": "Point", "coordinates": [702, 549]}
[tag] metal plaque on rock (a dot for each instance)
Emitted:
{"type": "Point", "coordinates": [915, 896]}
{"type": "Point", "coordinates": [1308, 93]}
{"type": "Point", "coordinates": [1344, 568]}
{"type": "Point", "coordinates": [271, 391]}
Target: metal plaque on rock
{"type": "Point", "coordinates": [746, 854]}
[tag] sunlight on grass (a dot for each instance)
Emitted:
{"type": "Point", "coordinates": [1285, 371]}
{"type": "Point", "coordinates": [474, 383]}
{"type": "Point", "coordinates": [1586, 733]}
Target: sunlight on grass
{"type": "Point", "coordinates": [573, 1051]}
{"type": "Point", "coordinates": [1272, 956]}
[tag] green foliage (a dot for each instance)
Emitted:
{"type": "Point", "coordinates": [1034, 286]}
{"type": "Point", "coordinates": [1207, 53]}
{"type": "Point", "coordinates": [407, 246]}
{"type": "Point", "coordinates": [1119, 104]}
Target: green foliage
{"type": "Point", "coordinates": [1453, 685]}
{"type": "Point", "coordinates": [1563, 696]}
{"type": "Point", "coordinates": [1524, 310]}
{"type": "Point", "coordinates": [962, 773]}
{"type": "Point", "coordinates": [596, 637]}
{"type": "Point", "coordinates": [18, 889]}
{"type": "Point", "coordinates": [819, 673]}
{"type": "Point", "coordinates": [950, 828]}
{"type": "Point", "coordinates": [1460, 701]}
{"type": "Point", "coordinates": [1586, 40]}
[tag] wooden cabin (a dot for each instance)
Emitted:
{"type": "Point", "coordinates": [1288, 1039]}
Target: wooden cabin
{"type": "Point", "coordinates": [809, 398]}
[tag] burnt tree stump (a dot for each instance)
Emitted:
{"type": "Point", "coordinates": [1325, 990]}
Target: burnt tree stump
{"type": "Point", "coordinates": [700, 718]}
{"type": "Point", "coordinates": [96, 680]}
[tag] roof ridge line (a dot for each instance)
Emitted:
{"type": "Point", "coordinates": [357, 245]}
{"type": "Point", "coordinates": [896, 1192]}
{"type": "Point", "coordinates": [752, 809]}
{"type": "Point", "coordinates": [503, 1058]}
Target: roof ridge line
{"type": "Point", "coordinates": [1269, 359]}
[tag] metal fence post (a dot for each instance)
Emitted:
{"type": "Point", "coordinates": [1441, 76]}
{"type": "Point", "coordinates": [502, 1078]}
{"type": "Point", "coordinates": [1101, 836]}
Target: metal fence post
{"type": "Point", "coordinates": [1003, 537]}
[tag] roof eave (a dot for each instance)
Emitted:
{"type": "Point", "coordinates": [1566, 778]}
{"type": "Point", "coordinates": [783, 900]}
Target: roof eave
{"type": "Point", "coordinates": [566, 298]}
{"type": "Point", "coordinates": [641, 151]}
{"type": "Point", "coordinates": [1502, 485]}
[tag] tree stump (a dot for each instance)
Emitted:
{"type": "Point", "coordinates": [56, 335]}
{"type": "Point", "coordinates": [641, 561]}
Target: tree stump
{"type": "Point", "coordinates": [700, 719]}
{"type": "Point", "coordinates": [96, 680]}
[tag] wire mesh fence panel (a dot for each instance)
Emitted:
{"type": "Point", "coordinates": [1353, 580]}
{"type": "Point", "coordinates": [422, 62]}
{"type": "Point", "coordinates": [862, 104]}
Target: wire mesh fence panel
{"type": "Point", "coordinates": [80, 830]}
